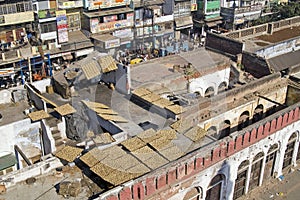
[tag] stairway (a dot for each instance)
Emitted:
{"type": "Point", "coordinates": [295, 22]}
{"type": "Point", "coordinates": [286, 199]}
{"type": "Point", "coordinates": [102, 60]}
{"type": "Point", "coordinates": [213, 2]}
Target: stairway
{"type": "Point", "coordinates": [55, 132]}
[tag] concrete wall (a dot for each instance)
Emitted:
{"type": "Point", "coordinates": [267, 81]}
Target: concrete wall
{"type": "Point", "coordinates": [210, 80]}
{"type": "Point", "coordinates": [35, 99]}
{"type": "Point", "coordinates": [233, 115]}
{"type": "Point", "coordinates": [279, 48]}
{"type": "Point", "coordinates": [223, 44]}
{"type": "Point", "coordinates": [48, 140]}
{"type": "Point", "coordinates": [37, 169]}
{"type": "Point", "coordinates": [24, 134]}
{"type": "Point", "coordinates": [5, 96]}
{"type": "Point", "coordinates": [255, 65]}
{"type": "Point", "coordinates": [174, 180]}
{"type": "Point", "coordinates": [41, 85]}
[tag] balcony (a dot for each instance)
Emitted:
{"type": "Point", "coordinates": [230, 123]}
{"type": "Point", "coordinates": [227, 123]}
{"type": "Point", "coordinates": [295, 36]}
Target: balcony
{"type": "Point", "coordinates": [241, 14]}
{"type": "Point", "coordinates": [16, 13]}
{"type": "Point", "coordinates": [65, 4]}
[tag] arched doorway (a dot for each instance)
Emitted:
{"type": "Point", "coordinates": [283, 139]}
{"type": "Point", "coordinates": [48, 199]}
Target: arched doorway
{"type": "Point", "coordinates": [258, 113]}
{"type": "Point", "coordinates": [288, 155]}
{"type": "Point", "coordinates": [194, 194]}
{"type": "Point", "coordinates": [209, 92]}
{"type": "Point", "coordinates": [270, 162]}
{"type": "Point", "coordinates": [224, 129]}
{"type": "Point", "coordinates": [222, 87]}
{"type": "Point", "coordinates": [243, 120]}
{"type": "Point", "coordinates": [214, 190]}
{"type": "Point", "coordinates": [256, 168]}
{"type": "Point", "coordinates": [240, 181]}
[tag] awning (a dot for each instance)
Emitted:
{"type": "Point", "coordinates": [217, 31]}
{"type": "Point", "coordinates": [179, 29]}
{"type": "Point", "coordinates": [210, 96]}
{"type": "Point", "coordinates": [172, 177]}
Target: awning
{"type": "Point", "coordinates": [7, 161]}
{"type": "Point", "coordinates": [213, 24]}
{"type": "Point", "coordinates": [108, 12]}
{"type": "Point", "coordinates": [184, 22]}
{"type": "Point", "coordinates": [103, 37]}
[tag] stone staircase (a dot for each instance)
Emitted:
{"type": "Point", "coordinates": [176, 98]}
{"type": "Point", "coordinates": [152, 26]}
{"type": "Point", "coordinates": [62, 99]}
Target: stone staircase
{"type": "Point", "coordinates": [56, 134]}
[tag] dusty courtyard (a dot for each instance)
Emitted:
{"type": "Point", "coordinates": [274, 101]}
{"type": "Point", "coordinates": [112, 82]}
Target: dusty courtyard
{"type": "Point", "coordinates": [288, 188]}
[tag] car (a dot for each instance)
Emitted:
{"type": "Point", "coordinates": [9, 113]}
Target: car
{"type": "Point", "coordinates": [136, 61]}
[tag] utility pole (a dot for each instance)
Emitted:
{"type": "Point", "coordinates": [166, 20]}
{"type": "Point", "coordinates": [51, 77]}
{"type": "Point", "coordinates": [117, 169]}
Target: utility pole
{"type": "Point", "coordinates": [29, 68]}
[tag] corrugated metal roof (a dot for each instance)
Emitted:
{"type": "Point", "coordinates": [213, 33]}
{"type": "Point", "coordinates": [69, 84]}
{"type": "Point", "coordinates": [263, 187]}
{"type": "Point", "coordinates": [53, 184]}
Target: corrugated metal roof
{"type": "Point", "coordinates": [7, 161]}
{"type": "Point", "coordinates": [284, 61]}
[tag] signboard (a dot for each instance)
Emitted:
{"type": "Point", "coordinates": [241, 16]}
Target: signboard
{"type": "Point", "coordinates": [111, 18]}
{"type": "Point", "coordinates": [97, 27]}
{"type": "Point", "coordinates": [62, 4]}
{"type": "Point", "coordinates": [93, 5]}
{"type": "Point", "coordinates": [112, 43]}
{"type": "Point", "coordinates": [194, 7]}
{"type": "Point", "coordinates": [125, 33]}
{"type": "Point", "coordinates": [43, 14]}
{"type": "Point", "coordinates": [62, 26]}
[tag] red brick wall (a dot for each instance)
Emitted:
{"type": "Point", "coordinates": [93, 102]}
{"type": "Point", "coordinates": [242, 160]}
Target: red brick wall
{"type": "Point", "coordinates": [151, 187]}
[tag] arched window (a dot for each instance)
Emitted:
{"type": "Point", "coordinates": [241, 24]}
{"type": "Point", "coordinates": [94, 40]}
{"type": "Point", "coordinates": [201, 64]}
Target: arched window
{"type": "Point", "coordinates": [222, 87]}
{"type": "Point", "coordinates": [243, 120]}
{"type": "Point", "coordinates": [258, 113]}
{"type": "Point", "coordinates": [288, 155]}
{"type": "Point", "coordinates": [225, 129]}
{"type": "Point", "coordinates": [209, 92]}
{"type": "Point", "coordinates": [240, 181]}
{"type": "Point", "coordinates": [194, 194]}
{"type": "Point", "coordinates": [214, 191]}
{"type": "Point", "coordinates": [256, 170]}
{"type": "Point", "coordinates": [270, 162]}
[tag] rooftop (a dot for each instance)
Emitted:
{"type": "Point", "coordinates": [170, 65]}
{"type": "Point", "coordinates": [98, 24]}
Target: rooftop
{"type": "Point", "coordinates": [6, 111]}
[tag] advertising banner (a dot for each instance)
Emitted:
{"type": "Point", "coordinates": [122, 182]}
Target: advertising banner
{"type": "Point", "coordinates": [62, 26]}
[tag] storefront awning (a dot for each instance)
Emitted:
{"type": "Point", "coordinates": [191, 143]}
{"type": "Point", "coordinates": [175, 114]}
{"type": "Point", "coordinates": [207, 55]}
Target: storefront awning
{"type": "Point", "coordinates": [184, 22]}
{"type": "Point", "coordinates": [213, 24]}
{"type": "Point", "coordinates": [103, 37]}
{"type": "Point", "coordinates": [108, 12]}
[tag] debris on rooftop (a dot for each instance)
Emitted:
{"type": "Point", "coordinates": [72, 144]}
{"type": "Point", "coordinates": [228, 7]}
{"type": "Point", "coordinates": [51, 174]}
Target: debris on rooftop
{"type": "Point", "coordinates": [65, 109]}
{"type": "Point", "coordinates": [69, 153]}
{"type": "Point", "coordinates": [103, 138]}
{"type": "Point", "coordinates": [68, 188]}
{"type": "Point", "coordinates": [38, 115]}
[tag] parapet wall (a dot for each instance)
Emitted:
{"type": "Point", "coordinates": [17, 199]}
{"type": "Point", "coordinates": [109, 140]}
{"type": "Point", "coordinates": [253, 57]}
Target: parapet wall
{"type": "Point", "coordinates": [168, 176]}
{"type": "Point", "coordinates": [222, 44]}
{"type": "Point", "coordinates": [263, 28]}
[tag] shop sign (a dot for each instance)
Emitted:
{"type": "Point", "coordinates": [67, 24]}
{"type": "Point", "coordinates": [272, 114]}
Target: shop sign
{"type": "Point", "coordinates": [92, 5]}
{"type": "Point", "coordinates": [62, 26]}
{"type": "Point", "coordinates": [44, 14]}
{"type": "Point", "coordinates": [126, 33]}
{"type": "Point", "coordinates": [162, 19]}
{"type": "Point", "coordinates": [114, 25]}
{"type": "Point", "coordinates": [69, 4]}
{"type": "Point", "coordinates": [112, 43]}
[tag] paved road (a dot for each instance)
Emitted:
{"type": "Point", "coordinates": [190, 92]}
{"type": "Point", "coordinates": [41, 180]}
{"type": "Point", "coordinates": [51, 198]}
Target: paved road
{"type": "Point", "coordinates": [288, 189]}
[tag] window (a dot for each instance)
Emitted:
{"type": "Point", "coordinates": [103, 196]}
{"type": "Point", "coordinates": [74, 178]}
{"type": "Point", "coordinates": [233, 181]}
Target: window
{"type": "Point", "coordinates": [20, 7]}
{"type": "Point", "coordinates": [48, 27]}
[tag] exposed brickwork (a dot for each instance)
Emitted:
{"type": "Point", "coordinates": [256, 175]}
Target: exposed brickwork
{"type": "Point", "coordinates": [230, 148]}
{"type": "Point", "coordinates": [199, 163]}
{"type": "Point", "coordinates": [260, 133]}
{"type": "Point", "coordinates": [161, 181]}
{"type": "Point", "coordinates": [285, 119]}
{"type": "Point", "coordinates": [246, 139]}
{"type": "Point", "coordinates": [239, 143]}
{"type": "Point", "coordinates": [172, 176]}
{"type": "Point", "coordinates": [181, 171]}
{"type": "Point", "coordinates": [138, 191]}
{"type": "Point", "coordinates": [125, 194]}
{"type": "Point", "coordinates": [279, 123]}
{"type": "Point", "coordinates": [190, 168]}
{"type": "Point", "coordinates": [150, 186]}
{"type": "Point", "coordinates": [112, 198]}
{"type": "Point", "coordinates": [253, 136]}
